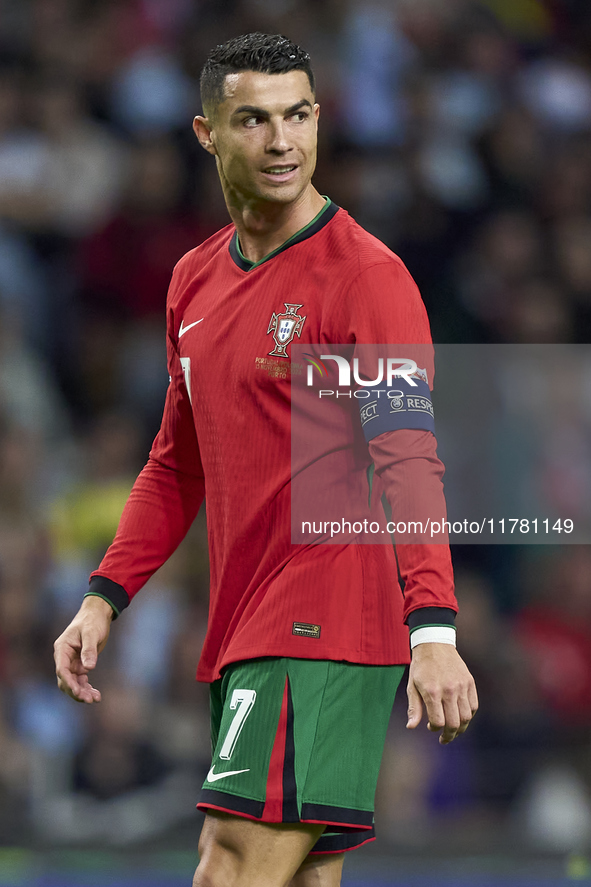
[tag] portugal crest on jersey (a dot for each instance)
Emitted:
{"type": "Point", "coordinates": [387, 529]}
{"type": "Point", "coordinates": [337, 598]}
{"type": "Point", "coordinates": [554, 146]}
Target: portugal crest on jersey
{"type": "Point", "coordinates": [284, 327]}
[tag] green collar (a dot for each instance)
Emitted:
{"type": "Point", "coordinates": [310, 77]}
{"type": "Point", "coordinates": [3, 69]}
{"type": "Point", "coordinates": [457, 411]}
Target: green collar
{"type": "Point", "coordinates": [319, 221]}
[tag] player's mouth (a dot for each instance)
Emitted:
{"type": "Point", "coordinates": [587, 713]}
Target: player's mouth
{"type": "Point", "coordinates": [280, 173]}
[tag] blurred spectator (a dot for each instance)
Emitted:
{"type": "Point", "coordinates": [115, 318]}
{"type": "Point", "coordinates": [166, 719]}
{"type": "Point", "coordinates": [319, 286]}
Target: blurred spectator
{"type": "Point", "coordinates": [555, 630]}
{"type": "Point", "coordinates": [29, 396]}
{"type": "Point", "coordinates": [84, 161]}
{"type": "Point", "coordinates": [23, 187]}
{"type": "Point", "coordinates": [24, 292]}
{"type": "Point", "coordinates": [537, 313]}
{"type": "Point", "coordinates": [151, 94]}
{"type": "Point", "coordinates": [83, 515]}
{"type": "Point", "coordinates": [558, 92]}
{"type": "Point", "coordinates": [124, 274]}
{"type": "Point", "coordinates": [116, 758]}
{"type": "Point", "coordinates": [125, 267]}
{"type": "Point", "coordinates": [59, 170]}
{"type": "Point", "coordinates": [564, 189]}
{"type": "Point", "coordinates": [378, 54]}
{"type": "Point", "coordinates": [507, 251]}
{"type": "Point", "coordinates": [515, 152]}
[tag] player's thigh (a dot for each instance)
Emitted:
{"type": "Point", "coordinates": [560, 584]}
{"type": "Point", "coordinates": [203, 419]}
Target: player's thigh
{"type": "Point", "coordinates": [319, 870]}
{"type": "Point", "coordinates": [239, 852]}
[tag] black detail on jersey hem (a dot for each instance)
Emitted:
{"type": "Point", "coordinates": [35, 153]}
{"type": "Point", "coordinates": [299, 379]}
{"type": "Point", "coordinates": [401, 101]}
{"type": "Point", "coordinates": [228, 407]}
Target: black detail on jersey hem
{"type": "Point", "coordinates": [431, 616]}
{"type": "Point", "coordinates": [306, 630]}
{"type": "Point", "coordinates": [337, 815]}
{"type": "Point", "coordinates": [290, 812]}
{"type": "Point", "coordinates": [307, 232]}
{"type": "Point", "coordinates": [343, 842]}
{"type": "Point", "coordinates": [110, 591]}
{"type": "Point", "coordinates": [231, 802]}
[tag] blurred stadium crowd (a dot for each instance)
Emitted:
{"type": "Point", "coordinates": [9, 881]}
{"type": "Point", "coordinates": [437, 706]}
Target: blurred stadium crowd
{"type": "Point", "coordinates": [457, 131]}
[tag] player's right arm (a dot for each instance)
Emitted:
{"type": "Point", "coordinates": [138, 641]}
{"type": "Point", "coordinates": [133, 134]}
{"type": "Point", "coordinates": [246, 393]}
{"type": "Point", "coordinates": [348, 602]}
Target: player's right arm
{"type": "Point", "coordinates": [161, 507]}
{"type": "Point", "coordinates": [163, 502]}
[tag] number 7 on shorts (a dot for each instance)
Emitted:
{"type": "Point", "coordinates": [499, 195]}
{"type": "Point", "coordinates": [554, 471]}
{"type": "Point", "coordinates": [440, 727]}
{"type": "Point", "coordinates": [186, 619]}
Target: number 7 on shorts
{"type": "Point", "coordinates": [243, 700]}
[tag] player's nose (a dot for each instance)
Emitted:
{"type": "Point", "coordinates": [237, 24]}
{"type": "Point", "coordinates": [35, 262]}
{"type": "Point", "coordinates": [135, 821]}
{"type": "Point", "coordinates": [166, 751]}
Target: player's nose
{"type": "Point", "coordinates": [278, 141]}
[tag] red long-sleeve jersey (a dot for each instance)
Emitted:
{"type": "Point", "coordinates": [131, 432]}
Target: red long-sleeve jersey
{"type": "Point", "coordinates": [226, 435]}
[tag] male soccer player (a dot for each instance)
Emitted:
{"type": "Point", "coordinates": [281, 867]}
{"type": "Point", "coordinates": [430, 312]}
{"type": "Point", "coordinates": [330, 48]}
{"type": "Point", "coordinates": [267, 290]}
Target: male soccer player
{"type": "Point", "coordinates": [306, 643]}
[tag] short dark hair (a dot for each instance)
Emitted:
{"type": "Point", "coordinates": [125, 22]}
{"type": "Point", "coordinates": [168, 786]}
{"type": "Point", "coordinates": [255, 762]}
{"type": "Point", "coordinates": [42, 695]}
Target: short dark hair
{"type": "Point", "coordinates": [263, 53]}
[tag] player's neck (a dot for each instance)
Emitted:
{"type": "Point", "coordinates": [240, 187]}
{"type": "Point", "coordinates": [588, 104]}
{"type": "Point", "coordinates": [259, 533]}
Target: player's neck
{"type": "Point", "coordinates": [264, 227]}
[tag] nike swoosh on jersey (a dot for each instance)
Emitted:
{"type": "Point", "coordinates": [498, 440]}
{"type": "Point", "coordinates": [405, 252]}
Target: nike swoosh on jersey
{"type": "Point", "coordinates": [213, 777]}
{"type": "Point", "coordinates": [185, 329]}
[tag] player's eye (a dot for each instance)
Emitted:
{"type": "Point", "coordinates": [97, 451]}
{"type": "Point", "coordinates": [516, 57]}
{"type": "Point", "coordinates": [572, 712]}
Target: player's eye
{"type": "Point", "coordinates": [300, 116]}
{"type": "Point", "coordinates": [252, 121]}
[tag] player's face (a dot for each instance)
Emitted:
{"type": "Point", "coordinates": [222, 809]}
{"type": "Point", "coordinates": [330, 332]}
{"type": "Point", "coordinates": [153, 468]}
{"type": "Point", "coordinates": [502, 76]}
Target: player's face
{"type": "Point", "coordinates": [264, 136]}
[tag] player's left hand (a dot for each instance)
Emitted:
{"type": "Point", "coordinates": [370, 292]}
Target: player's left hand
{"type": "Point", "coordinates": [440, 680]}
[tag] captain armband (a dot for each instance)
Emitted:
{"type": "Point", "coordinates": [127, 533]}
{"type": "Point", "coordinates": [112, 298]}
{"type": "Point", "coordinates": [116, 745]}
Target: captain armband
{"type": "Point", "coordinates": [402, 405]}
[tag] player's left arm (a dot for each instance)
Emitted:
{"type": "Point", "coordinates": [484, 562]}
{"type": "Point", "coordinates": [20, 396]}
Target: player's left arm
{"type": "Point", "coordinates": [406, 460]}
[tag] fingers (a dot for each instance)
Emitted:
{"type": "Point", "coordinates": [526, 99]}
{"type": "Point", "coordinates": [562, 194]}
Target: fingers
{"type": "Point", "coordinates": [472, 697]}
{"type": "Point", "coordinates": [453, 724]}
{"type": "Point", "coordinates": [72, 679]}
{"type": "Point", "coordinates": [466, 712]}
{"type": "Point", "coordinates": [415, 706]}
{"type": "Point", "coordinates": [72, 665]}
{"type": "Point", "coordinates": [450, 713]}
{"type": "Point", "coordinates": [438, 718]}
{"type": "Point", "coordinates": [78, 689]}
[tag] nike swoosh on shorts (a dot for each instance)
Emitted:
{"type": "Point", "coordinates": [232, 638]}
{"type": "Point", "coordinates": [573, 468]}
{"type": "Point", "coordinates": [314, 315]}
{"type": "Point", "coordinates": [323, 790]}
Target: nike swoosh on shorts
{"type": "Point", "coordinates": [213, 777]}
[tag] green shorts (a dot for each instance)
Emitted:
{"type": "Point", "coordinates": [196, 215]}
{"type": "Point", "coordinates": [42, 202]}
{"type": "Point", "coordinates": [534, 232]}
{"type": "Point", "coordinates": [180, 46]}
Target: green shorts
{"type": "Point", "coordinates": [300, 740]}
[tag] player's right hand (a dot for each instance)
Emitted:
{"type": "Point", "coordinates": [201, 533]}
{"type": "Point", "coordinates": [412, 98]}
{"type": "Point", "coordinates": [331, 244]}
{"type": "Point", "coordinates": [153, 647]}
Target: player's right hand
{"type": "Point", "coordinates": [76, 650]}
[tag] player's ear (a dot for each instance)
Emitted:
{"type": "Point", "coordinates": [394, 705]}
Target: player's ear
{"type": "Point", "coordinates": [316, 112]}
{"type": "Point", "coordinates": [202, 128]}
